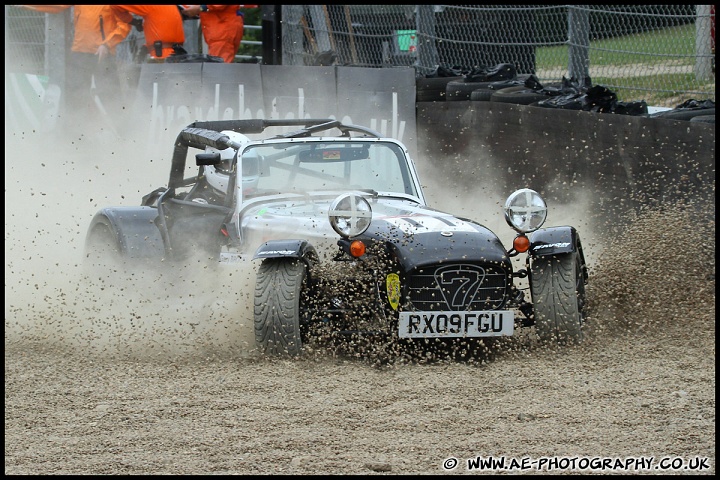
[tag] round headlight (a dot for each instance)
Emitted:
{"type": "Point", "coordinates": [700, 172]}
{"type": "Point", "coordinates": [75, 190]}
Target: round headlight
{"type": "Point", "coordinates": [350, 214]}
{"type": "Point", "coordinates": [525, 210]}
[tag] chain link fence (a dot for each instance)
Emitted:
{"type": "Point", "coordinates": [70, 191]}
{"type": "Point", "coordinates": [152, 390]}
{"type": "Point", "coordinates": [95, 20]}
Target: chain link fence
{"type": "Point", "coordinates": [25, 41]}
{"type": "Point", "coordinates": [663, 54]}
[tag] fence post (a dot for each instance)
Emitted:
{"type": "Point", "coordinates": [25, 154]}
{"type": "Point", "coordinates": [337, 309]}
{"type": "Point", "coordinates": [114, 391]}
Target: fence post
{"type": "Point", "coordinates": [703, 41]}
{"type": "Point", "coordinates": [292, 35]}
{"type": "Point", "coordinates": [191, 27]}
{"type": "Point", "coordinates": [322, 34]}
{"type": "Point", "coordinates": [271, 35]}
{"type": "Point", "coordinates": [58, 35]}
{"type": "Point", "coordinates": [427, 50]}
{"type": "Point", "coordinates": [579, 43]}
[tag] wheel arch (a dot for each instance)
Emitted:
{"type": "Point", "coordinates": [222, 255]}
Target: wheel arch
{"type": "Point", "coordinates": [134, 228]}
{"type": "Point", "coordinates": [301, 249]}
{"type": "Point", "coordinates": [557, 240]}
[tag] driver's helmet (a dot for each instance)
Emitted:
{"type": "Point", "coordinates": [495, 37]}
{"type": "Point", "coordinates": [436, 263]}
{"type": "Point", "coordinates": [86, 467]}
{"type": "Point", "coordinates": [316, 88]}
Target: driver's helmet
{"type": "Point", "coordinates": [218, 175]}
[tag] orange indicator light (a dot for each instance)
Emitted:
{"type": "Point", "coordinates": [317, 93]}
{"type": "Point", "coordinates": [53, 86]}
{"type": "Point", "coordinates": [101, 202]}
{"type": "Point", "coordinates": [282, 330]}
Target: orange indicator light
{"type": "Point", "coordinates": [521, 243]}
{"type": "Point", "coordinates": [357, 248]}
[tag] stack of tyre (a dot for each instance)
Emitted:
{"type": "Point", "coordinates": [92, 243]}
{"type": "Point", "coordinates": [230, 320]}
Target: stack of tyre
{"type": "Point", "coordinates": [482, 78]}
{"type": "Point", "coordinates": [431, 86]}
{"type": "Point", "coordinates": [501, 83]}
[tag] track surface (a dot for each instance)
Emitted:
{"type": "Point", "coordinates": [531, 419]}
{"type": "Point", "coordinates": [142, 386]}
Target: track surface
{"type": "Point", "coordinates": [161, 377]}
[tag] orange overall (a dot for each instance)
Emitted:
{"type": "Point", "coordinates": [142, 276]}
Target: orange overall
{"type": "Point", "coordinates": [222, 28]}
{"type": "Point", "coordinates": [95, 25]}
{"type": "Point", "coordinates": [161, 23]}
{"type": "Point", "coordinates": [91, 70]}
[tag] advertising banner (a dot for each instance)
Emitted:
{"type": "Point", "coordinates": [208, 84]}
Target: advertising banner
{"type": "Point", "coordinates": [171, 96]}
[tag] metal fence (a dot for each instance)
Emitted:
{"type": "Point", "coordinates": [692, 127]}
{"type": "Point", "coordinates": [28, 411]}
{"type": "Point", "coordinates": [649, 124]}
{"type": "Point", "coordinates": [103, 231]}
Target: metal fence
{"type": "Point", "coordinates": [663, 54]}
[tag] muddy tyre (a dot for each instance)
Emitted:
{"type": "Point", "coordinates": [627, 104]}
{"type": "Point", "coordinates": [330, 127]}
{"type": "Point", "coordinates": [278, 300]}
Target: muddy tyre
{"type": "Point", "coordinates": [277, 306]}
{"type": "Point", "coordinates": [102, 246]}
{"type": "Point", "coordinates": [104, 259]}
{"type": "Point", "coordinates": [558, 292]}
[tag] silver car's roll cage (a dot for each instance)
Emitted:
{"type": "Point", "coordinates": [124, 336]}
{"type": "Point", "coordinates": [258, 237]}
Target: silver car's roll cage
{"type": "Point", "coordinates": [209, 134]}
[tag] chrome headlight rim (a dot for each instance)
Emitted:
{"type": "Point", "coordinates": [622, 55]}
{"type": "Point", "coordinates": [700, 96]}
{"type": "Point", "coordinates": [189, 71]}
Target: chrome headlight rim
{"type": "Point", "coordinates": [350, 214]}
{"type": "Point", "coordinates": [525, 210]}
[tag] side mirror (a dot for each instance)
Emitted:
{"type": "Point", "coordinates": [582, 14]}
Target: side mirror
{"type": "Point", "coordinates": [212, 158]}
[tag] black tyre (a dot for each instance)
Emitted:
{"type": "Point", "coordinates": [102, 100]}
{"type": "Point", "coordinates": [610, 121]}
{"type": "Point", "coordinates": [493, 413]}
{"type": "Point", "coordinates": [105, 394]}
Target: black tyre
{"type": "Point", "coordinates": [683, 113]}
{"type": "Point", "coordinates": [557, 284]}
{"type": "Point", "coordinates": [458, 90]}
{"type": "Point", "coordinates": [432, 89]}
{"type": "Point", "coordinates": [703, 119]}
{"type": "Point", "coordinates": [481, 95]}
{"type": "Point", "coordinates": [517, 95]}
{"type": "Point", "coordinates": [278, 292]}
{"type": "Point", "coordinates": [485, 89]}
{"type": "Point", "coordinates": [103, 252]}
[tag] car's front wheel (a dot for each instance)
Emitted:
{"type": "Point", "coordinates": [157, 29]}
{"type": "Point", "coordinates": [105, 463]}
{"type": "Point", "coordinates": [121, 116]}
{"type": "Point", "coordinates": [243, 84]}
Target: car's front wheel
{"type": "Point", "coordinates": [278, 291]}
{"type": "Point", "coordinates": [558, 292]}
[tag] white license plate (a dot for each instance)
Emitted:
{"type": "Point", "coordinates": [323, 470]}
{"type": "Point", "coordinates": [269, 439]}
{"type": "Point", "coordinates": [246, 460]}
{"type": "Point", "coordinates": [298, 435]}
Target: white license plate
{"type": "Point", "coordinates": [230, 257]}
{"type": "Point", "coordinates": [491, 323]}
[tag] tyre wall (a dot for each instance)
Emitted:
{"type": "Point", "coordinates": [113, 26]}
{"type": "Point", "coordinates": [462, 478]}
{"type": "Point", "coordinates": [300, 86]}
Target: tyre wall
{"type": "Point", "coordinates": [615, 162]}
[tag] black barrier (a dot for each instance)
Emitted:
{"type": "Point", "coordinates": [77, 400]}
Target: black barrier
{"type": "Point", "coordinates": [619, 162]}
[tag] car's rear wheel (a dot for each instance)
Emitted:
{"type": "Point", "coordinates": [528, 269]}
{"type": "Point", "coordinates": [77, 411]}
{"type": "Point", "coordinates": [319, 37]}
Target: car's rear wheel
{"type": "Point", "coordinates": [558, 292]}
{"type": "Point", "coordinates": [278, 292]}
{"type": "Point", "coordinates": [103, 252]}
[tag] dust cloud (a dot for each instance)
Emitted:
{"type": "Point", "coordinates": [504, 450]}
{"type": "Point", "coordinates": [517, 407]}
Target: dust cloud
{"type": "Point", "coordinates": [190, 310]}
{"type": "Point", "coordinates": [157, 373]}
{"type": "Point", "coordinates": [52, 192]}
{"type": "Point", "coordinates": [60, 180]}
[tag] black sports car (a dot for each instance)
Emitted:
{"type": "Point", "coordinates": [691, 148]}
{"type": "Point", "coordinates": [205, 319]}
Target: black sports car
{"type": "Point", "coordinates": [345, 240]}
